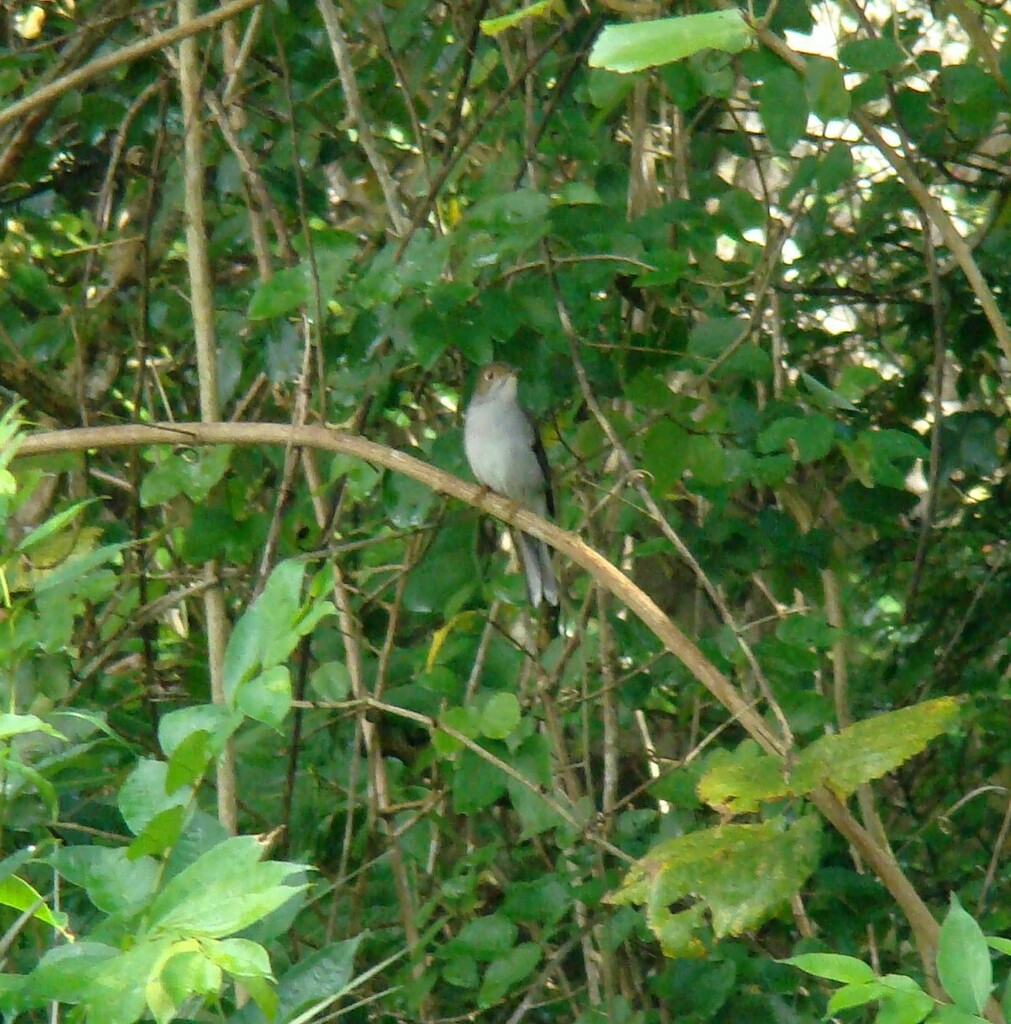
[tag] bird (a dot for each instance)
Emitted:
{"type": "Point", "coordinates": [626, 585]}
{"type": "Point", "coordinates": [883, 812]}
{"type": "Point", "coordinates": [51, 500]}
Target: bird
{"type": "Point", "coordinates": [505, 454]}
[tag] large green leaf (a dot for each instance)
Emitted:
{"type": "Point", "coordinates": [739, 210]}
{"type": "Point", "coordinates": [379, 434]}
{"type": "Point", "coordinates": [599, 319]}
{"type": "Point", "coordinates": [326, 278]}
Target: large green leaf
{"type": "Point", "coordinates": [222, 892]}
{"type": "Point", "coordinates": [647, 44]}
{"type": "Point", "coordinates": [963, 960]}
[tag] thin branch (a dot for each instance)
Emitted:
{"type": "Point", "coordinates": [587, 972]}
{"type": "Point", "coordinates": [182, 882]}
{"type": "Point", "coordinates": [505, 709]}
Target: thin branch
{"type": "Point", "coordinates": [937, 408]}
{"type": "Point", "coordinates": [924, 926]}
{"type": "Point", "coordinates": [353, 99]}
{"type": "Point", "coordinates": [202, 305]}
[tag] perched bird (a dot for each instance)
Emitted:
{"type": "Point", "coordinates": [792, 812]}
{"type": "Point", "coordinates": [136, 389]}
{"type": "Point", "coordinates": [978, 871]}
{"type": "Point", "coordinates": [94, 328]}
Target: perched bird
{"type": "Point", "coordinates": [506, 455]}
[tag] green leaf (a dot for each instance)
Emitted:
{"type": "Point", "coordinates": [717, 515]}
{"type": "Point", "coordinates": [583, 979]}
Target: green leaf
{"type": "Point", "coordinates": [16, 725]}
{"type": "Point", "coordinates": [664, 455]}
{"type": "Point", "coordinates": [408, 502]}
{"type": "Point", "coordinates": [213, 719]}
{"type": "Point", "coordinates": [487, 938]}
{"type": "Point", "coordinates": [113, 882]}
{"type": "Point", "coordinates": [185, 973]}
{"type": "Point", "coordinates": [500, 716]}
{"type": "Point", "coordinates": [288, 289]}
{"type": "Point", "coordinates": [52, 525]}
{"type": "Point", "coordinates": [507, 972]}
{"type": "Point", "coordinates": [910, 1005]}
{"type": "Point", "coordinates": [77, 569]}
{"type": "Point", "coordinates": [577, 193]}
{"type": "Point", "coordinates": [871, 55]}
{"type": "Point", "coordinates": [826, 397]}
{"type": "Point", "coordinates": [647, 44]}
{"type": "Point", "coordinates": [315, 979]}
{"type": "Point", "coordinates": [834, 169]}
{"type": "Point", "coordinates": [833, 966]}
{"type": "Point", "coordinates": [31, 285]}
{"type": "Point", "coordinates": [539, 9]}
{"type": "Point", "coordinates": [738, 781]}
{"type": "Point", "coordinates": [267, 696]}
{"type": "Point", "coordinates": [17, 893]}
{"type": "Point", "coordinates": [188, 761]}
{"type": "Point", "coordinates": [858, 994]}
{"type": "Point", "coordinates": [264, 636]}
{"type": "Point", "coordinates": [223, 891]}
{"type": "Point", "coordinates": [806, 438]}
{"type": "Point", "coordinates": [785, 122]}
{"type": "Point", "coordinates": [190, 472]}
{"type": "Point", "coordinates": [712, 336]}
{"type": "Point", "coordinates": [160, 832]}
{"type": "Point", "coordinates": [461, 971]}
{"type": "Point", "coordinates": [476, 783]}
{"type": "Point", "coordinates": [945, 1013]}
{"type": "Point", "coordinates": [239, 957]}
{"type": "Point", "coordinates": [331, 680]}
{"type": "Point", "coordinates": [963, 960]}
{"type": "Point", "coordinates": [826, 89]}
{"type": "Point", "coordinates": [144, 795]}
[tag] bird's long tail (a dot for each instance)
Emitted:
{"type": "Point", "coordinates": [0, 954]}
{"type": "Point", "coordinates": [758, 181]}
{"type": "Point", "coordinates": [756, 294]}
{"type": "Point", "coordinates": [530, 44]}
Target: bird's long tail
{"type": "Point", "coordinates": [535, 556]}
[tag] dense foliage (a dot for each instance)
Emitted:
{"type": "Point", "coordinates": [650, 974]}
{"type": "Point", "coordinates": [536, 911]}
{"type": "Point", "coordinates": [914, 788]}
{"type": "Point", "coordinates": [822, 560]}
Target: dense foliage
{"type": "Point", "coordinates": [758, 297]}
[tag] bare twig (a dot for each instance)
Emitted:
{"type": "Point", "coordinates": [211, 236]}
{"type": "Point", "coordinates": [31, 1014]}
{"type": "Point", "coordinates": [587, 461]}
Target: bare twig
{"type": "Point", "coordinates": [202, 303]}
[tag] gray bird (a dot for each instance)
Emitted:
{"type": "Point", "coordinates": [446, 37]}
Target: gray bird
{"type": "Point", "coordinates": [506, 455]}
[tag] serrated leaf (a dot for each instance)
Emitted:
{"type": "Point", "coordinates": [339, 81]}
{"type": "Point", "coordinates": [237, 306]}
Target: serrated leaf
{"type": "Point", "coordinates": [872, 748]}
{"type": "Point", "coordinates": [741, 873]}
{"type": "Point", "coordinates": [739, 781]}
{"type": "Point", "coordinates": [647, 44]}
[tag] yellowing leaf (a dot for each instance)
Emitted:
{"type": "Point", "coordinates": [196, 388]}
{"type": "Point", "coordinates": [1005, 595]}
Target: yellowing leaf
{"type": "Point", "coordinates": [741, 781]}
{"type": "Point", "coordinates": [541, 9]}
{"type": "Point", "coordinates": [873, 747]}
{"type": "Point", "coordinates": [740, 874]}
